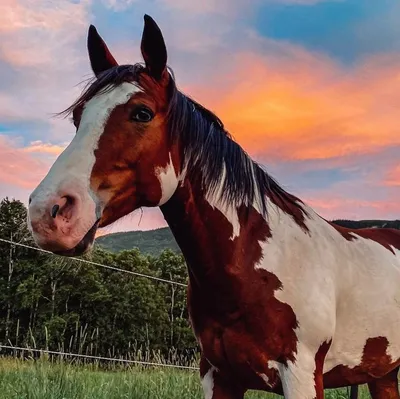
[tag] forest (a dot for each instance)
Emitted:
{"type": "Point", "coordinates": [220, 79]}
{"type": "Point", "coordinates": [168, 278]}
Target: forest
{"type": "Point", "coordinates": [57, 303]}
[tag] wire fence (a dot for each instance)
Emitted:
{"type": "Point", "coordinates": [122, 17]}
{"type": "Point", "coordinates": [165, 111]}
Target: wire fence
{"type": "Point", "coordinates": [117, 269]}
{"type": "Point", "coordinates": [110, 359]}
{"type": "Point", "coordinates": [102, 358]}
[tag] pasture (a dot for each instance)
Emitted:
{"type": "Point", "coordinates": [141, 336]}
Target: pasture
{"type": "Point", "coordinates": [62, 380]}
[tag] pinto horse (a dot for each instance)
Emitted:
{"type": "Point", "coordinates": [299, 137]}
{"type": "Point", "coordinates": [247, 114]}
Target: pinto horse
{"type": "Point", "coordinates": [280, 299]}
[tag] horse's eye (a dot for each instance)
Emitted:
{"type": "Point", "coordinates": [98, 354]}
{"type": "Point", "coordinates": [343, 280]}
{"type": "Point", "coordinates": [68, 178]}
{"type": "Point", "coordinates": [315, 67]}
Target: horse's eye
{"type": "Point", "coordinates": [142, 114]}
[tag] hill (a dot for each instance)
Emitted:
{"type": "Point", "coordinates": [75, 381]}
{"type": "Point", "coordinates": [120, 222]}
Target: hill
{"type": "Point", "coordinates": [359, 224]}
{"type": "Point", "coordinates": [153, 242]}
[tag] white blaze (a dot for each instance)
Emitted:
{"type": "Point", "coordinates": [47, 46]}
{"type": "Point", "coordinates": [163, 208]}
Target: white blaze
{"type": "Point", "coordinates": [70, 173]}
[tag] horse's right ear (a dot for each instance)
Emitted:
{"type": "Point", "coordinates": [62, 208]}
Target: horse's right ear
{"type": "Point", "coordinates": [100, 57]}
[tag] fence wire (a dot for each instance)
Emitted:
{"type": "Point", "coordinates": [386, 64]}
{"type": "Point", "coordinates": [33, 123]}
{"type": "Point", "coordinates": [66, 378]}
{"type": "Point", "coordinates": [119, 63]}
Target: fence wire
{"type": "Point", "coordinates": [97, 264]}
{"type": "Point", "coordinates": [111, 359]}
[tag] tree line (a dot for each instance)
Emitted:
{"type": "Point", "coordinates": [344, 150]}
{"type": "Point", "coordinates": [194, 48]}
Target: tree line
{"type": "Point", "coordinates": [57, 303]}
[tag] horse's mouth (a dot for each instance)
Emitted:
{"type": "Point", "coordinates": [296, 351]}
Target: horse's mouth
{"type": "Point", "coordinates": [83, 245]}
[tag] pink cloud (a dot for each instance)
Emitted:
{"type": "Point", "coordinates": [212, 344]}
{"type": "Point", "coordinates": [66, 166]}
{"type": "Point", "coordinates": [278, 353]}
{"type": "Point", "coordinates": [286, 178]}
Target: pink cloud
{"type": "Point", "coordinates": [32, 31]}
{"type": "Point", "coordinates": [45, 43]}
{"type": "Point", "coordinates": [337, 207]}
{"type": "Point", "coordinates": [393, 177]}
{"type": "Point", "coordinates": [19, 168]}
{"type": "Point", "coordinates": [44, 148]}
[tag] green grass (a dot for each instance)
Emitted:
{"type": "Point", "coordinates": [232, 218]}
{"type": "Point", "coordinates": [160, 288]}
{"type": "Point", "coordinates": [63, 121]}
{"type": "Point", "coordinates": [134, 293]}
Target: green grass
{"type": "Point", "coordinates": [44, 380]}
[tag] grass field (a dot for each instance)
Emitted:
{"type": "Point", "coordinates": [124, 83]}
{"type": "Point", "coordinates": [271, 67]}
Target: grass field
{"type": "Point", "coordinates": [44, 380]}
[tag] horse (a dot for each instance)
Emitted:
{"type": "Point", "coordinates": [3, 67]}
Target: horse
{"type": "Point", "coordinates": [280, 299]}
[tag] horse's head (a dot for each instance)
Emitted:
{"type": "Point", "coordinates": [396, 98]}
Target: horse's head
{"type": "Point", "coordinates": [121, 157]}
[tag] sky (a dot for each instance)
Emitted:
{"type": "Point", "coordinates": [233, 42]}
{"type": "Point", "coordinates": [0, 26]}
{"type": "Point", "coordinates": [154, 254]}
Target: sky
{"type": "Point", "coordinates": [310, 89]}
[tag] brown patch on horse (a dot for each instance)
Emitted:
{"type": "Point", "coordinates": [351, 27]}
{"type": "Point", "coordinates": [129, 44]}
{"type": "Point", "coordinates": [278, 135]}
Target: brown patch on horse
{"type": "Point", "coordinates": [231, 303]}
{"type": "Point", "coordinates": [388, 238]}
{"type": "Point", "coordinates": [386, 387]}
{"type": "Point", "coordinates": [124, 174]}
{"type": "Point", "coordinates": [375, 363]}
{"type": "Point", "coordinates": [223, 385]}
{"type": "Point", "coordinates": [319, 365]}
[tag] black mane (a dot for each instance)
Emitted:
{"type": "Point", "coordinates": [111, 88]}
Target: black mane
{"type": "Point", "coordinates": [208, 147]}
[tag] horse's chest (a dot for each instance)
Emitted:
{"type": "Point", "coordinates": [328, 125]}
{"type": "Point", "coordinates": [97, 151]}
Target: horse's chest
{"type": "Point", "coordinates": [235, 350]}
{"type": "Point", "coordinates": [244, 337]}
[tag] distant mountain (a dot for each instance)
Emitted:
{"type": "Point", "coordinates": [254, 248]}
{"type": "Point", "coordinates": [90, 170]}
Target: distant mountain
{"type": "Point", "coordinates": [360, 224]}
{"type": "Point", "coordinates": [153, 242]}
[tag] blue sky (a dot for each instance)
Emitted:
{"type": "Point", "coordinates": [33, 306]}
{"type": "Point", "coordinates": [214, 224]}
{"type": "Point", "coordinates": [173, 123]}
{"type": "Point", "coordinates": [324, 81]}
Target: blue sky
{"type": "Point", "coordinates": [333, 27]}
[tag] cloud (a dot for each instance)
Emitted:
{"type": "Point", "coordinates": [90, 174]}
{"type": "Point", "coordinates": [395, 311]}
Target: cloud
{"type": "Point", "coordinates": [393, 177]}
{"type": "Point", "coordinates": [42, 28]}
{"type": "Point", "coordinates": [45, 44]}
{"type": "Point", "coordinates": [19, 168]}
{"type": "Point", "coordinates": [44, 148]}
{"type": "Point", "coordinates": [297, 105]}
{"type": "Point", "coordinates": [344, 208]}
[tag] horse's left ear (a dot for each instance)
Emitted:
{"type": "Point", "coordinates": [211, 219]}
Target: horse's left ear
{"type": "Point", "coordinates": [153, 48]}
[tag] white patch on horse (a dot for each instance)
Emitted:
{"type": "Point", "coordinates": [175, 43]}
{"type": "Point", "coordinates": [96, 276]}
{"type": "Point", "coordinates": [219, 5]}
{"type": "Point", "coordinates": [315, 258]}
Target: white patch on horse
{"type": "Point", "coordinates": [230, 212]}
{"type": "Point", "coordinates": [347, 291]}
{"type": "Point", "coordinates": [266, 379]}
{"type": "Point", "coordinates": [297, 377]}
{"type": "Point", "coordinates": [207, 383]}
{"type": "Point", "coordinates": [70, 173]}
{"type": "Point", "coordinates": [168, 181]}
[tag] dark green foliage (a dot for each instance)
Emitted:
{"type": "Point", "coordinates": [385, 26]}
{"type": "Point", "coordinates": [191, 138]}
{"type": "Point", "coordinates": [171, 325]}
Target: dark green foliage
{"type": "Point", "coordinates": [59, 303]}
{"type": "Point", "coordinates": [362, 224]}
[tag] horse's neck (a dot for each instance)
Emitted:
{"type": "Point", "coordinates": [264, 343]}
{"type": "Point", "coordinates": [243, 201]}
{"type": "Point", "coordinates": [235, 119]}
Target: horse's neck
{"type": "Point", "coordinates": [217, 237]}
{"type": "Point", "coordinates": [214, 237]}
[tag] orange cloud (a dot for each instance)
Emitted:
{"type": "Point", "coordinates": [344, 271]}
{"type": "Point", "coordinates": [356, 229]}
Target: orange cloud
{"type": "Point", "coordinates": [44, 148]}
{"type": "Point", "coordinates": [18, 167]}
{"type": "Point", "coordinates": [301, 105]}
{"type": "Point", "coordinates": [393, 177]}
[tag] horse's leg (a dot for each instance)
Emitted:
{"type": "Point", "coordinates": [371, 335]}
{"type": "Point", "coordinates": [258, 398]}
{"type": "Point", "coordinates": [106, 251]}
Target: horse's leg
{"type": "Point", "coordinates": [386, 387]}
{"type": "Point", "coordinates": [216, 386]}
{"type": "Point", "coordinates": [354, 392]}
{"type": "Point", "coordinates": [303, 379]}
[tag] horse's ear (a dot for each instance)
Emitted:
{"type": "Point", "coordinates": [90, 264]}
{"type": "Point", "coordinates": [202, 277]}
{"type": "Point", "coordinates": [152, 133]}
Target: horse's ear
{"type": "Point", "coordinates": [153, 48]}
{"type": "Point", "coordinates": [100, 57]}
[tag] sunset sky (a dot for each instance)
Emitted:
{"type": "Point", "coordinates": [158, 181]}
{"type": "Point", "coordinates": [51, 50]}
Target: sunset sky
{"type": "Point", "coordinates": [311, 89]}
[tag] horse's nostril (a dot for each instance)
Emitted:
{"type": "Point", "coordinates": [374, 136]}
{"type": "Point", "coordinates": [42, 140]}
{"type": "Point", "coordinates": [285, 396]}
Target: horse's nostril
{"type": "Point", "coordinates": [30, 200]}
{"type": "Point", "coordinates": [54, 211]}
{"type": "Point", "coordinates": [68, 200]}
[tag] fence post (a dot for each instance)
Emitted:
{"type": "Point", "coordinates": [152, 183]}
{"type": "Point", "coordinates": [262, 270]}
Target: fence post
{"type": "Point", "coordinates": [10, 272]}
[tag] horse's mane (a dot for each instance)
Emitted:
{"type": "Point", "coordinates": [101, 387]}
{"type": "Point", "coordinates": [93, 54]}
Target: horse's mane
{"type": "Point", "coordinates": [209, 150]}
